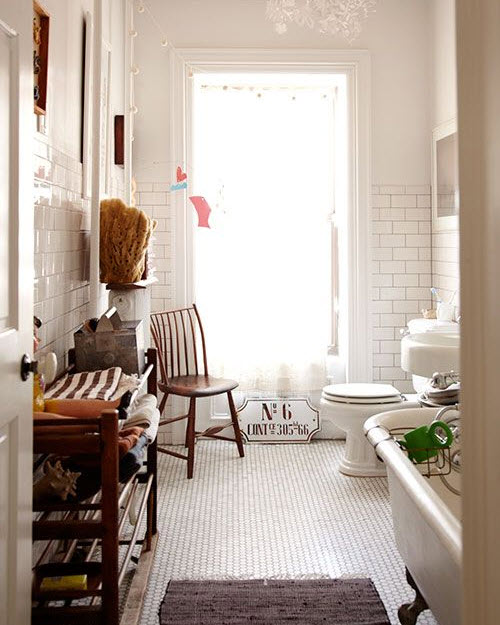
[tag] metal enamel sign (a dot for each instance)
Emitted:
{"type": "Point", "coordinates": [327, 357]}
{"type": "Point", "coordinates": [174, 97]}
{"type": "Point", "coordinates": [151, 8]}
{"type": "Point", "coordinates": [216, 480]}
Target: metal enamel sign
{"type": "Point", "coordinates": [274, 420]}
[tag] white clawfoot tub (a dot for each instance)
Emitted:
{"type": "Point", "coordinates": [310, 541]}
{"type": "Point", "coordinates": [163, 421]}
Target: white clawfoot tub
{"type": "Point", "coordinates": [426, 518]}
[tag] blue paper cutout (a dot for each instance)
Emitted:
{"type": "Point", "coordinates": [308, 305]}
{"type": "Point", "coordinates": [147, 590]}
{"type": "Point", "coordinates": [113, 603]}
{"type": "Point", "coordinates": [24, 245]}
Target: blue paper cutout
{"type": "Point", "coordinates": [179, 186]}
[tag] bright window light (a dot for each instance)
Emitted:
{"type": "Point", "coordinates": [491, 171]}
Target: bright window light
{"type": "Point", "coordinates": [263, 157]}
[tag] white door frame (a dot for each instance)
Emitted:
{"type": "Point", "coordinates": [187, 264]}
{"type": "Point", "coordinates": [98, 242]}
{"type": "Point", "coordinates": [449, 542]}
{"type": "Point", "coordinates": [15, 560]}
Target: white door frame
{"type": "Point", "coordinates": [97, 291]}
{"type": "Point", "coordinates": [478, 57]}
{"type": "Point", "coordinates": [356, 65]}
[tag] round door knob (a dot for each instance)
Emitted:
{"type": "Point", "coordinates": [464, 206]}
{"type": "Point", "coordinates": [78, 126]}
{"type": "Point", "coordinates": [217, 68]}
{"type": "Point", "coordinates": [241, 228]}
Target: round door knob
{"type": "Point", "coordinates": [27, 366]}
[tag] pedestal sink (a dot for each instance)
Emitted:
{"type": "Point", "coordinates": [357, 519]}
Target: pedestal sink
{"type": "Point", "coordinates": [427, 352]}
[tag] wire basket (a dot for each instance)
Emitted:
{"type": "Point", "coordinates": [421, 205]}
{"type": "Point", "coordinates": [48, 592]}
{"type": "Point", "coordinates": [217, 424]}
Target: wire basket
{"type": "Point", "coordinates": [438, 461]}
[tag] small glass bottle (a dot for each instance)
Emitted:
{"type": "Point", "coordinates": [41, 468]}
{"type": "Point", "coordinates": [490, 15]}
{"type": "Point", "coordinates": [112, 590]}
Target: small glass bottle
{"type": "Point", "coordinates": [38, 391]}
{"type": "Point", "coordinates": [38, 381]}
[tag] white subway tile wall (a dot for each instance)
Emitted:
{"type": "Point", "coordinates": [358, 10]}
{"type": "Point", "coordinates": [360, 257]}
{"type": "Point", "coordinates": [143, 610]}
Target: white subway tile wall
{"type": "Point", "coordinates": [62, 246]}
{"type": "Point", "coordinates": [402, 272]}
{"type": "Point", "coordinates": [154, 199]}
{"type": "Point", "coordinates": [62, 239]}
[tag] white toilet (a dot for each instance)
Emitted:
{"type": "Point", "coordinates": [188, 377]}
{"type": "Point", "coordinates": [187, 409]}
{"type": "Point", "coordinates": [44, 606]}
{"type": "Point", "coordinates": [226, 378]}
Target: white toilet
{"type": "Point", "coordinates": [348, 406]}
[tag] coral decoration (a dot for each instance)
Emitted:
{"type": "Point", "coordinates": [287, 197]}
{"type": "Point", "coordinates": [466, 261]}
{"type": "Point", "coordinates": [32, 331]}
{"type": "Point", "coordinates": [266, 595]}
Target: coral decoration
{"type": "Point", "coordinates": [203, 210]}
{"type": "Point", "coordinates": [57, 483]}
{"type": "Point", "coordinates": [181, 176]}
{"type": "Point", "coordinates": [124, 238]}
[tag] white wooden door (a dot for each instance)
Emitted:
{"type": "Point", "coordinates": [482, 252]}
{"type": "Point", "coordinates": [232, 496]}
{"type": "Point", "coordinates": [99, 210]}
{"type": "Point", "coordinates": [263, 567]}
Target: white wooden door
{"type": "Point", "coordinates": [16, 308]}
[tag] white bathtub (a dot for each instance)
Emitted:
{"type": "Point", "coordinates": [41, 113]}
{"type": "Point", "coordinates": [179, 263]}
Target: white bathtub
{"type": "Point", "coordinates": [426, 517]}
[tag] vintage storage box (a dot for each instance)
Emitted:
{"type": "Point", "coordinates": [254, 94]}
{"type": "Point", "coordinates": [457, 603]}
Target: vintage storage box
{"type": "Point", "coordinates": [112, 343]}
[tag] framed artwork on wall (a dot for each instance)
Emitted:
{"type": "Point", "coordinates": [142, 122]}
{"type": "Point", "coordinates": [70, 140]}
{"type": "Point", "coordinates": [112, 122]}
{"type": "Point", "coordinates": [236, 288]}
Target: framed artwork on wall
{"type": "Point", "coordinates": [41, 22]}
{"type": "Point", "coordinates": [86, 158]}
{"type": "Point", "coordinates": [119, 134]}
{"type": "Point", "coordinates": [445, 189]}
{"type": "Point", "coordinates": [105, 156]}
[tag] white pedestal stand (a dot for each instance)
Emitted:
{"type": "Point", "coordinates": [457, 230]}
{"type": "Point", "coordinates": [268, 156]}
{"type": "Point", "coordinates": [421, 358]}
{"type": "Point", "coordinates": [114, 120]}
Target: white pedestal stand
{"type": "Point", "coordinates": [133, 301]}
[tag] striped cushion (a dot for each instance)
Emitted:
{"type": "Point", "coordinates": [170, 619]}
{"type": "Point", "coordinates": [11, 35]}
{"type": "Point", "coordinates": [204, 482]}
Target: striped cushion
{"type": "Point", "coordinates": [86, 385]}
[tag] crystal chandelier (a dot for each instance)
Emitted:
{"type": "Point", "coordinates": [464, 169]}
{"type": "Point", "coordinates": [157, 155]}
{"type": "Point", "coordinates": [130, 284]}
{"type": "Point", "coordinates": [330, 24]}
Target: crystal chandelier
{"type": "Point", "coordinates": [337, 17]}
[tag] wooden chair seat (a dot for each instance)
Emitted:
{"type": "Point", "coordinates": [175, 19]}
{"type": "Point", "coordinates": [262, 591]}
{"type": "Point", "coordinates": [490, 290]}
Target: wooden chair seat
{"type": "Point", "coordinates": [197, 386]}
{"type": "Point", "coordinates": [178, 336]}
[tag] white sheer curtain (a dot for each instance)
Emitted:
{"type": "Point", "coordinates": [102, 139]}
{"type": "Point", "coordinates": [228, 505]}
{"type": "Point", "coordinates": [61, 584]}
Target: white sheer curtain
{"type": "Point", "coordinates": [263, 286]}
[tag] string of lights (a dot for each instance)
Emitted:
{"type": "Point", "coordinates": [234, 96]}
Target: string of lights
{"type": "Point", "coordinates": [143, 8]}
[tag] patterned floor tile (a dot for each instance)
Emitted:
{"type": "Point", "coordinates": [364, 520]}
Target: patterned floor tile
{"type": "Point", "coordinates": [284, 511]}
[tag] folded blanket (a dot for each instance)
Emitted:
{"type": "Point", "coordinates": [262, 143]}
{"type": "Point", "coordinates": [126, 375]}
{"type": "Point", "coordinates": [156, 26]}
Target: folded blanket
{"type": "Point", "coordinates": [127, 383]}
{"type": "Point", "coordinates": [86, 385]}
{"type": "Point", "coordinates": [40, 416]}
{"type": "Point", "coordinates": [127, 438]}
{"type": "Point", "coordinates": [142, 412]}
{"type": "Point", "coordinates": [80, 407]}
{"type": "Point", "coordinates": [152, 430]}
{"type": "Point", "coordinates": [132, 460]}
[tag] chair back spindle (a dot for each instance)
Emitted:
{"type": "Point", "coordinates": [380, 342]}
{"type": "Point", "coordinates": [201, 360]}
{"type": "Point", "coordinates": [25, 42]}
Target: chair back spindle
{"type": "Point", "coordinates": [177, 335]}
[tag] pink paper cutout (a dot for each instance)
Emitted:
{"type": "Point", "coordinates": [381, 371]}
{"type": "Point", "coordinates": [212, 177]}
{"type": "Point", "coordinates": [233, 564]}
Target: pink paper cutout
{"type": "Point", "coordinates": [203, 209]}
{"type": "Point", "coordinates": [181, 176]}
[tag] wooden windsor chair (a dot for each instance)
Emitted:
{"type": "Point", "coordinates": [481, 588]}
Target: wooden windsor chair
{"type": "Point", "coordinates": [175, 334]}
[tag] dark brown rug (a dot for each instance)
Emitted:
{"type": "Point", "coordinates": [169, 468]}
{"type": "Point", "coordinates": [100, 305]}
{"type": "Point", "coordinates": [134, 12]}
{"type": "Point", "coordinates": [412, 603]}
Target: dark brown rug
{"type": "Point", "coordinates": [273, 602]}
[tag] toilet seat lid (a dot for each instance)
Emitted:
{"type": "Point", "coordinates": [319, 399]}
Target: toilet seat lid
{"type": "Point", "coordinates": [361, 393]}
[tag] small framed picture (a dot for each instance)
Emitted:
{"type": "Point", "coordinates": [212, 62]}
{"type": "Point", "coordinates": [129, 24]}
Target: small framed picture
{"type": "Point", "coordinates": [41, 22]}
{"type": "Point", "coordinates": [86, 157]}
{"type": "Point", "coordinates": [105, 156]}
{"type": "Point", "coordinates": [445, 189]}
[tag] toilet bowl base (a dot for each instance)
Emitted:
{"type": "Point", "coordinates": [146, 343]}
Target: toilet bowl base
{"type": "Point", "coordinates": [355, 469]}
{"type": "Point", "coordinates": [359, 458]}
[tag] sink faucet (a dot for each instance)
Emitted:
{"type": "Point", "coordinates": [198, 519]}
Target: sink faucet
{"type": "Point", "coordinates": [443, 380]}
